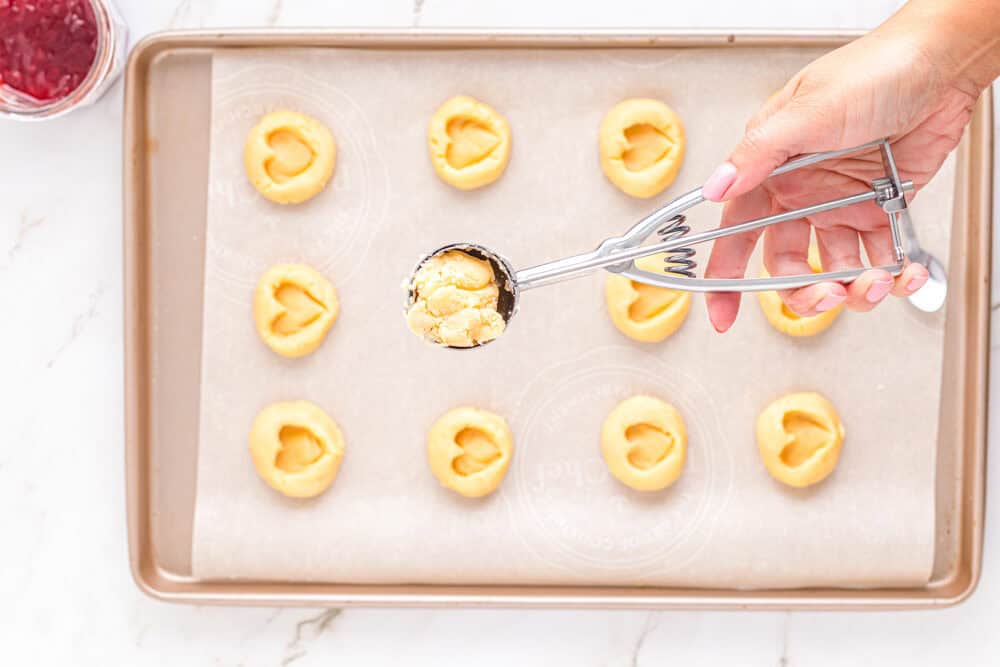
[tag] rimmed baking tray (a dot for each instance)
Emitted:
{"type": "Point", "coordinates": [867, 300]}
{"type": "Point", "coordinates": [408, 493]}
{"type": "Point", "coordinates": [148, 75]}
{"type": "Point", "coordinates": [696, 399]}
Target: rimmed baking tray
{"type": "Point", "coordinates": [166, 185]}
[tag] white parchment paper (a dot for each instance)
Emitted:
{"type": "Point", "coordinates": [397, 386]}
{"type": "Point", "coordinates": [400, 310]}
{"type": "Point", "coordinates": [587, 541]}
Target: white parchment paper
{"type": "Point", "coordinates": [558, 517]}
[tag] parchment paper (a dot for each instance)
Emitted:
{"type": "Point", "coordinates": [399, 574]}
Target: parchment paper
{"type": "Point", "coordinates": [558, 517]}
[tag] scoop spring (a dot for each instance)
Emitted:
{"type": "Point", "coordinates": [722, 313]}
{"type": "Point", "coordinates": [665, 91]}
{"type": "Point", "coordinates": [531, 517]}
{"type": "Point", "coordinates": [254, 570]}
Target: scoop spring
{"type": "Point", "coordinates": [680, 261]}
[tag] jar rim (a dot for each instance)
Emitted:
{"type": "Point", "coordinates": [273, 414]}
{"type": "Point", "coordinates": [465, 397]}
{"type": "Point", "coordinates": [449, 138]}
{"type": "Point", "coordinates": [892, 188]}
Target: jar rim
{"type": "Point", "coordinates": [103, 63]}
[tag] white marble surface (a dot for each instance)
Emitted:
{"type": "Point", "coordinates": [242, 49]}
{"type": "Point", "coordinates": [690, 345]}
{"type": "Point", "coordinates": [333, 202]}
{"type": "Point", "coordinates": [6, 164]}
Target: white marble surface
{"type": "Point", "coordinates": [65, 593]}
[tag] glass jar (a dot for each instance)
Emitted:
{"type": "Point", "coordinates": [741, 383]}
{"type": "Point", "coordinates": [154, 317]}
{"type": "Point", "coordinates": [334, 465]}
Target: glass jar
{"type": "Point", "coordinates": [45, 46]}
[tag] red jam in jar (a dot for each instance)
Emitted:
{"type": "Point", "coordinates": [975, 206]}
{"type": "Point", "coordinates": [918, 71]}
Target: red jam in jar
{"type": "Point", "coordinates": [47, 47]}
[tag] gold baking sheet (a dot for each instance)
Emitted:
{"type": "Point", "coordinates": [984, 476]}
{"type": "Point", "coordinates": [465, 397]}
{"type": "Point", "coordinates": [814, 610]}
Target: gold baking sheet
{"type": "Point", "coordinates": [187, 67]}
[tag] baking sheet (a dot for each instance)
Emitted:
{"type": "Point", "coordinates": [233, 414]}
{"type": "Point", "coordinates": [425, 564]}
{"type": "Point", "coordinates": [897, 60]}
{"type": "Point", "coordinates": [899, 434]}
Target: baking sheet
{"type": "Point", "coordinates": [558, 517]}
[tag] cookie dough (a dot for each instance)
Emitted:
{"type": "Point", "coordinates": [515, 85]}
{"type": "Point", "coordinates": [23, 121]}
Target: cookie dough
{"type": "Point", "coordinates": [641, 143]}
{"type": "Point", "coordinates": [800, 437]}
{"type": "Point", "coordinates": [293, 308]}
{"type": "Point", "coordinates": [455, 298]}
{"type": "Point", "coordinates": [469, 143]}
{"type": "Point", "coordinates": [469, 450]}
{"type": "Point", "coordinates": [289, 157]}
{"type": "Point", "coordinates": [644, 443]}
{"type": "Point", "coordinates": [296, 448]}
{"type": "Point", "coordinates": [643, 312]}
{"type": "Point", "coordinates": [784, 320]}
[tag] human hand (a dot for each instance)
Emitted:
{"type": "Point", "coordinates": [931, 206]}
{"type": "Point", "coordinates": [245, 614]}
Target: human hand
{"type": "Point", "coordinates": [886, 84]}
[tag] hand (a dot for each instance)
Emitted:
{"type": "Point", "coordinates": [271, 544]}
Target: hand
{"type": "Point", "coordinates": [885, 84]}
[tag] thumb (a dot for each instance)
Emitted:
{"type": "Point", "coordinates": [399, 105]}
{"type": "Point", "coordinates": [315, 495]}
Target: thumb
{"type": "Point", "coordinates": [766, 145]}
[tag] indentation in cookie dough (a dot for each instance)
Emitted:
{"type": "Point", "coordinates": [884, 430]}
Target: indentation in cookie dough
{"type": "Point", "coordinates": [646, 146]}
{"type": "Point", "coordinates": [784, 319]}
{"type": "Point", "coordinates": [479, 451]}
{"type": "Point", "coordinates": [644, 443]}
{"type": "Point", "coordinates": [641, 144]}
{"type": "Point", "coordinates": [469, 143]}
{"type": "Point", "coordinates": [650, 445]}
{"type": "Point", "coordinates": [299, 449]}
{"type": "Point", "coordinates": [301, 309]}
{"type": "Point", "coordinates": [469, 450]}
{"type": "Point", "coordinates": [296, 448]}
{"type": "Point", "coordinates": [293, 308]}
{"type": "Point", "coordinates": [644, 312]}
{"type": "Point", "coordinates": [808, 436]}
{"type": "Point", "coordinates": [292, 156]}
{"type": "Point", "coordinates": [651, 301]}
{"type": "Point", "coordinates": [455, 299]}
{"type": "Point", "coordinates": [799, 437]}
{"type": "Point", "coordinates": [289, 157]}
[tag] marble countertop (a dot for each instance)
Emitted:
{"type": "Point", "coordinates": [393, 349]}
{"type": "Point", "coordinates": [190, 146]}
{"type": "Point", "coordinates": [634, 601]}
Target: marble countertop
{"type": "Point", "coordinates": [67, 597]}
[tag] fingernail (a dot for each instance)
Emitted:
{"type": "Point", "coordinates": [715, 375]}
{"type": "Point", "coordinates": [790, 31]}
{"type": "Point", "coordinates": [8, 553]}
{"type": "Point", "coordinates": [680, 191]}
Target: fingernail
{"type": "Point", "coordinates": [916, 283]}
{"type": "Point", "coordinates": [829, 302]}
{"type": "Point", "coordinates": [878, 290]}
{"type": "Point", "coordinates": [719, 182]}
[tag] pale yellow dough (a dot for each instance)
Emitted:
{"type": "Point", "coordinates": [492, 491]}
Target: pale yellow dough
{"type": "Point", "coordinates": [455, 301]}
{"type": "Point", "coordinates": [293, 308]}
{"type": "Point", "coordinates": [641, 143]}
{"type": "Point", "coordinates": [296, 448]}
{"type": "Point", "coordinates": [784, 320]}
{"type": "Point", "coordinates": [800, 437]}
{"type": "Point", "coordinates": [644, 443]}
{"type": "Point", "coordinates": [469, 450]}
{"type": "Point", "coordinates": [289, 157]}
{"type": "Point", "coordinates": [643, 312]}
{"type": "Point", "coordinates": [469, 143]}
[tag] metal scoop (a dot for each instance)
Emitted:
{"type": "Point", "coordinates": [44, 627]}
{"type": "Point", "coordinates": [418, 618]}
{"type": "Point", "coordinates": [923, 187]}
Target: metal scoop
{"type": "Point", "coordinates": [618, 254]}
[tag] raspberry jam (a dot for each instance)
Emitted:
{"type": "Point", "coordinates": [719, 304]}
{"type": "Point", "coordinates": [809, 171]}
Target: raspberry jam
{"type": "Point", "coordinates": [47, 47]}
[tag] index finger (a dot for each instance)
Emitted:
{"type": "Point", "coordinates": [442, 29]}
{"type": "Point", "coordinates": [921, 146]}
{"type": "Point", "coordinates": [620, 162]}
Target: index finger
{"type": "Point", "coordinates": [731, 254]}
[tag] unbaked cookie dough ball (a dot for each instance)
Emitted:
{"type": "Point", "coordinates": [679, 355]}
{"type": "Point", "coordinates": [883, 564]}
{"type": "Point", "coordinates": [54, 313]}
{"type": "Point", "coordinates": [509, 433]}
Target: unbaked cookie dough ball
{"type": "Point", "coordinates": [644, 443]}
{"type": "Point", "coordinates": [641, 142]}
{"type": "Point", "coordinates": [455, 298]}
{"type": "Point", "coordinates": [296, 448]}
{"type": "Point", "coordinates": [293, 308]}
{"type": "Point", "coordinates": [469, 143]}
{"type": "Point", "coordinates": [289, 157]}
{"type": "Point", "coordinates": [784, 320]}
{"type": "Point", "coordinates": [469, 450]}
{"type": "Point", "coordinates": [800, 437]}
{"type": "Point", "coordinates": [644, 312]}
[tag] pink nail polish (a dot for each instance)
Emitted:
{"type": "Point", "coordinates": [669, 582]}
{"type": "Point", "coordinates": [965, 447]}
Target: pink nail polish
{"type": "Point", "coordinates": [829, 302]}
{"type": "Point", "coordinates": [878, 290]}
{"type": "Point", "coordinates": [719, 182]}
{"type": "Point", "coordinates": [916, 283]}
